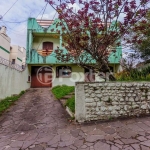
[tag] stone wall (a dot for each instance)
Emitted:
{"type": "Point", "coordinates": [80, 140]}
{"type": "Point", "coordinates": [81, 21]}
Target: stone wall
{"type": "Point", "coordinates": [108, 100]}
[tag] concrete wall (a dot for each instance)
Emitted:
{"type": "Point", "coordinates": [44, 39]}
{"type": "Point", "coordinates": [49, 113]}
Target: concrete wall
{"type": "Point", "coordinates": [77, 75]}
{"type": "Point", "coordinates": [12, 81]}
{"type": "Point", "coordinates": [24, 55]}
{"type": "Point", "coordinates": [107, 100]}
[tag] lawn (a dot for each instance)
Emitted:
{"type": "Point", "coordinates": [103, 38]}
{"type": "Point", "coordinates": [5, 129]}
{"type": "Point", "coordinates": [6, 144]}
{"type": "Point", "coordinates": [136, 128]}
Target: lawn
{"type": "Point", "coordinates": [8, 101]}
{"type": "Point", "coordinates": [61, 91]}
{"type": "Point", "coordinates": [71, 104]}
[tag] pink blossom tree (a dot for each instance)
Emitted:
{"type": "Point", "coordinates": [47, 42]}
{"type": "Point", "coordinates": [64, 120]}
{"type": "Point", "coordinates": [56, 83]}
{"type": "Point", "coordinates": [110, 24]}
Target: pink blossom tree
{"type": "Point", "coordinates": [95, 30]}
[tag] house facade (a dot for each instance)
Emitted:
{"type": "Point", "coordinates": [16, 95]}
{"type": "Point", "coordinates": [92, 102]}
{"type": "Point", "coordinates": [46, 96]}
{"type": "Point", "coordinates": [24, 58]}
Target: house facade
{"type": "Point", "coordinates": [45, 69]}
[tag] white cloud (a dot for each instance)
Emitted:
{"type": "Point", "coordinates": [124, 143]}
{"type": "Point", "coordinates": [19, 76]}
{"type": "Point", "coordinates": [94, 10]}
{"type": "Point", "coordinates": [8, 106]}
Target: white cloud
{"type": "Point", "coordinates": [18, 35]}
{"type": "Point", "coordinates": [75, 6]}
{"type": "Point", "coordinates": [49, 16]}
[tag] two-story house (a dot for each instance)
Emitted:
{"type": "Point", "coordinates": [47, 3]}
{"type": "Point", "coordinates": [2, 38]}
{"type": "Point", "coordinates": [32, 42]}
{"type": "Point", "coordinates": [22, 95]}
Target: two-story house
{"type": "Point", "coordinates": [42, 41]}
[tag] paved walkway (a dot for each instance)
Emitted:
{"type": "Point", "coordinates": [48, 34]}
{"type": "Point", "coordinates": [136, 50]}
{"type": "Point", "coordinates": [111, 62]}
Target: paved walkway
{"type": "Point", "coordinates": [38, 122]}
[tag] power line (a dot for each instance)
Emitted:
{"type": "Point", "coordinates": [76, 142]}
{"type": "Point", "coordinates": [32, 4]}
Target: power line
{"type": "Point", "coordinates": [40, 21]}
{"type": "Point", "coordinates": [44, 8]}
{"type": "Point", "coordinates": [14, 21]}
{"type": "Point", "coordinates": [10, 8]}
{"type": "Point", "coordinates": [54, 16]}
{"type": "Point", "coordinates": [15, 30]}
{"type": "Point", "coordinates": [25, 20]}
{"type": "Point", "coordinates": [20, 22]}
{"type": "Point", "coordinates": [43, 12]}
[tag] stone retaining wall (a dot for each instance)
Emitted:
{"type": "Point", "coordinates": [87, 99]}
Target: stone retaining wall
{"type": "Point", "coordinates": [108, 100]}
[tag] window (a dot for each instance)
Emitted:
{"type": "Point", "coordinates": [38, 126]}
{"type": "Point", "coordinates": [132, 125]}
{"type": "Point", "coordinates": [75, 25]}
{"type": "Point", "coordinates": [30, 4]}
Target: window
{"type": "Point", "coordinates": [13, 61]}
{"type": "Point", "coordinates": [23, 66]}
{"type": "Point", "coordinates": [47, 48]}
{"type": "Point", "coordinates": [63, 71]}
{"type": "Point", "coordinates": [47, 45]}
{"type": "Point", "coordinates": [29, 78]}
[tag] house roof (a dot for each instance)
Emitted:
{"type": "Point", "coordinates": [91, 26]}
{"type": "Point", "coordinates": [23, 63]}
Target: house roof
{"type": "Point", "coordinates": [45, 23]}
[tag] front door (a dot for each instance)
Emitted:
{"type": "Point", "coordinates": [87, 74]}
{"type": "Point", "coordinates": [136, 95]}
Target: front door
{"type": "Point", "coordinates": [41, 77]}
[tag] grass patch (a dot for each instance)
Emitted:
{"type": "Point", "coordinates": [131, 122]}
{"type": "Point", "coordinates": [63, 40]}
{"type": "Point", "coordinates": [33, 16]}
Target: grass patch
{"type": "Point", "coordinates": [71, 103]}
{"type": "Point", "coordinates": [61, 91]}
{"type": "Point", "coordinates": [8, 101]}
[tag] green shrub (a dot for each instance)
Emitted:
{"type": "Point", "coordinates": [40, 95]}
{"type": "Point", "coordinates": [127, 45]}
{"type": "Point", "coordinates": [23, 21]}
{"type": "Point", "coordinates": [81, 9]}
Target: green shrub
{"type": "Point", "coordinates": [21, 93]}
{"type": "Point", "coordinates": [71, 103]}
{"type": "Point", "coordinates": [134, 75]}
{"type": "Point", "coordinates": [8, 101]}
{"type": "Point", "coordinates": [61, 91]}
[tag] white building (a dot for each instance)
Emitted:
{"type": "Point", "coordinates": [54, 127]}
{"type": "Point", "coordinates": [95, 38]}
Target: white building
{"type": "Point", "coordinates": [14, 53]}
{"type": "Point", "coordinates": [17, 55]}
{"type": "Point", "coordinates": [4, 43]}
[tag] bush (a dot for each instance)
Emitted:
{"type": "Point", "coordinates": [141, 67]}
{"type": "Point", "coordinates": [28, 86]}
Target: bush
{"type": "Point", "coordinates": [21, 93]}
{"type": "Point", "coordinates": [8, 101]}
{"type": "Point", "coordinates": [61, 91]}
{"type": "Point", "coordinates": [71, 103]}
{"type": "Point", "coordinates": [134, 75]}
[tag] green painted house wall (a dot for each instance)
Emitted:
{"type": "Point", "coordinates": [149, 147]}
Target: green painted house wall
{"type": "Point", "coordinates": [37, 34]}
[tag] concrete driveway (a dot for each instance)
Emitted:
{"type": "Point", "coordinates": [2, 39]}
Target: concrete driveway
{"type": "Point", "coordinates": [38, 122]}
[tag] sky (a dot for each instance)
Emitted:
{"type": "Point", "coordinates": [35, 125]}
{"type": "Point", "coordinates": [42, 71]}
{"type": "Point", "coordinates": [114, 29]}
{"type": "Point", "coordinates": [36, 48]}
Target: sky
{"type": "Point", "coordinates": [20, 12]}
{"type": "Point", "coordinates": [16, 18]}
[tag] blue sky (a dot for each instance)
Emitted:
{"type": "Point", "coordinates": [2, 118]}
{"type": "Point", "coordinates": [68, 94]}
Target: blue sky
{"type": "Point", "coordinates": [21, 11]}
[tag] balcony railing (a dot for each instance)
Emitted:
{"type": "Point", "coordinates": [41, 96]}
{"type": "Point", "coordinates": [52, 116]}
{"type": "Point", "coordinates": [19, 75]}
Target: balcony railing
{"type": "Point", "coordinates": [9, 64]}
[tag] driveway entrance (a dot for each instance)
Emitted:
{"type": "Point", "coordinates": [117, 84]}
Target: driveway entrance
{"type": "Point", "coordinates": [41, 76]}
{"type": "Point", "coordinates": [38, 122]}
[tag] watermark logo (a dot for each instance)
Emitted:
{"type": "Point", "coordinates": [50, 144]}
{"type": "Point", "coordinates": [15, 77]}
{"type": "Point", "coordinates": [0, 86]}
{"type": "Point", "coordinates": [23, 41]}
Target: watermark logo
{"type": "Point", "coordinates": [45, 75]}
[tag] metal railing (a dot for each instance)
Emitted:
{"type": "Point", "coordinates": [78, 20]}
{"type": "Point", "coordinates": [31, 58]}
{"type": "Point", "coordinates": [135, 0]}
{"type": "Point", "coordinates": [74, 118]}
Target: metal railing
{"type": "Point", "coordinates": [11, 65]}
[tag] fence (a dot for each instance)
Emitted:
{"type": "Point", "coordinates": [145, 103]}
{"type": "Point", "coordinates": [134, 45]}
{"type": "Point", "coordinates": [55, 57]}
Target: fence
{"type": "Point", "coordinates": [9, 64]}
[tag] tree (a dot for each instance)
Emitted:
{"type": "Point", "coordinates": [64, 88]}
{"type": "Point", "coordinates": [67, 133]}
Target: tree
{"type": "Point", "coordinates": [129, 62]}
{"type": "Point", "coordinates": [94, 31]}
{"type": "Point", "coordinates": [144, 46]}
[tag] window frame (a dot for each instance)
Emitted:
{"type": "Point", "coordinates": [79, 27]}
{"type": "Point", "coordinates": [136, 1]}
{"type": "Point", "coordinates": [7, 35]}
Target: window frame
{"type": "Point", "coordinates": [58, 73]}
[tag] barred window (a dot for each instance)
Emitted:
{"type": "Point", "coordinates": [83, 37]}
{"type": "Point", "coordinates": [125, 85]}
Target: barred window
{"type": "Point", "coordinates": [63, 71]}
